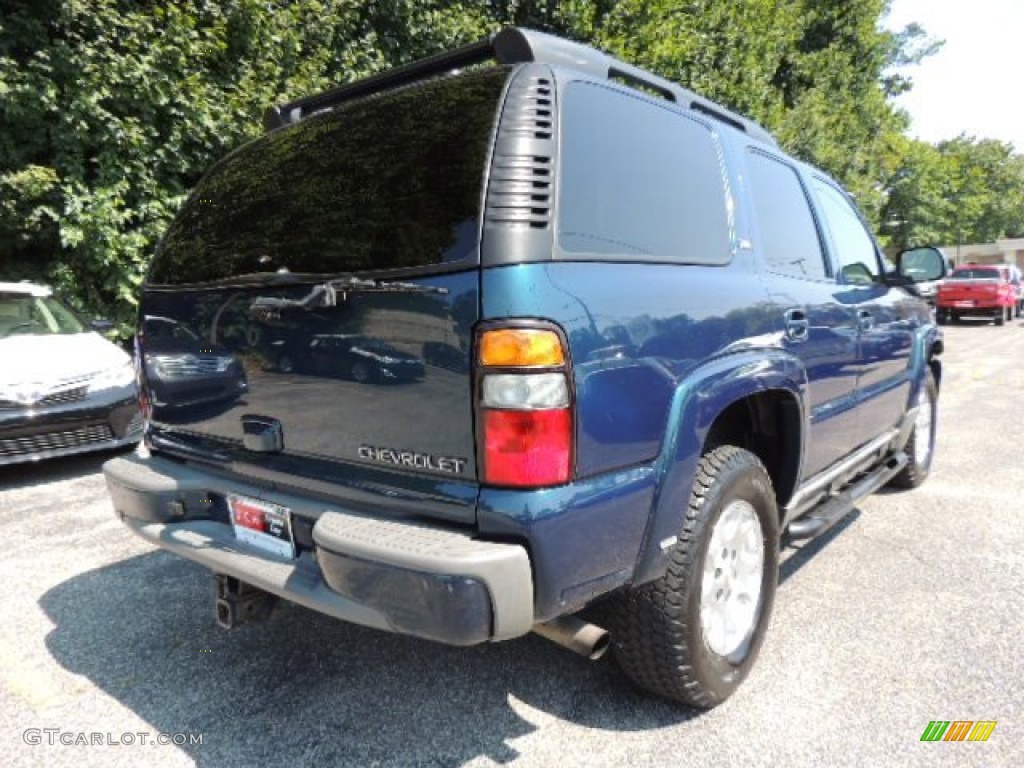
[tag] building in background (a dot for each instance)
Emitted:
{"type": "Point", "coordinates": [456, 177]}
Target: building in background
{"type": "Point", "coordinates": [1009, 251]}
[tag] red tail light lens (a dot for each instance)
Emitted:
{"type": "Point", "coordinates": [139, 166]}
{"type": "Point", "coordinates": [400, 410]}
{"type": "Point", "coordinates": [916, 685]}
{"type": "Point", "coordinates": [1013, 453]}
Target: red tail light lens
{"type": "Point", "coordinates": [141, 386]}
{"type": "Point", "coordinates": [525, 407]}
{"type": "Point", "coordinates": [527, 448]}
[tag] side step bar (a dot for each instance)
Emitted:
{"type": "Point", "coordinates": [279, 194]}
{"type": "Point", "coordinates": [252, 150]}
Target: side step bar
{"type": "Point", "coordinates": [825, 515]}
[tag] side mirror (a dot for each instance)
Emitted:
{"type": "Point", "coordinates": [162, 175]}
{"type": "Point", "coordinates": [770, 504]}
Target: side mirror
{"type": "Point", "coordinates": [101, 326]}
{"type": "Point", "coordinates": [921, 265]}
{"type": "Point", "coordinates": [857, 274]}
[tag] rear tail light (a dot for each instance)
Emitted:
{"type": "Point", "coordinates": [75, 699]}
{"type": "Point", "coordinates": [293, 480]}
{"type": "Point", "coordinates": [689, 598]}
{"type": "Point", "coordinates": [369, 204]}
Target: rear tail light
{"type": "Point", "coordinates": [525, 408]}
{"type": "Point", "coordinates": [521, 347]}
{"type": "Point", "coordinates": [141, 386]}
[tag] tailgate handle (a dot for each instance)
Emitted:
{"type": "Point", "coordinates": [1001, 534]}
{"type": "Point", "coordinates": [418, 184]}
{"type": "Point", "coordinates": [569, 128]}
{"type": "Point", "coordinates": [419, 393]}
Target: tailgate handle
{"type": "Point", "coordinates": [262, 433]}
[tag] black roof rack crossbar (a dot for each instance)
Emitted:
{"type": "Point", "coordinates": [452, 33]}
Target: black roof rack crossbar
{"type": "Point", "coordinates": [513, 46]}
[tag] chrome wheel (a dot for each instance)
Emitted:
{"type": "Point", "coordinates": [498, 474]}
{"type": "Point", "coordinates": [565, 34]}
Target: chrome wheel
{"type": "Point", "coordinates": [923, 428]}
{"type": "Point", "coordinates": [733, 573]}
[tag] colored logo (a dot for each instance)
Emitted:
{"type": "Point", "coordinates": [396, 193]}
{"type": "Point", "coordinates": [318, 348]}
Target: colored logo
{"type": "Point", "coordinates": [958, 730]}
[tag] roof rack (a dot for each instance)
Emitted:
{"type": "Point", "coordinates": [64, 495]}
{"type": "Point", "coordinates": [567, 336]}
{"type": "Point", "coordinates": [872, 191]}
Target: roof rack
{"type": "Point", "coordinates": [514, 46]}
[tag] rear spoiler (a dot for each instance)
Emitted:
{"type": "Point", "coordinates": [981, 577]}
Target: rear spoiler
{"type": "Point", "coordinates": [513, 46]}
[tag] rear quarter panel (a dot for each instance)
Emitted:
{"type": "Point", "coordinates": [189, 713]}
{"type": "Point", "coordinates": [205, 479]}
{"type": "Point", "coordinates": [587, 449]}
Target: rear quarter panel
{"type": "Point", "coordinates": [658, 351]}
{"type": "Point", "coordinates": [636, 332]}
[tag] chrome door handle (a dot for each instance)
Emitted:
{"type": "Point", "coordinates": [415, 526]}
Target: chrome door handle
{"type": "Point", "coordinates": [797, 326]}
{"type": "Point", "coordinates": [865, 320]}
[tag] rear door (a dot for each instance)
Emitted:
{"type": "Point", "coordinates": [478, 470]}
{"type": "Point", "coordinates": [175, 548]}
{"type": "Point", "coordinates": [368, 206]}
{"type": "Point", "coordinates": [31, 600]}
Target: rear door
{"type": "Point", "coordinates": [887, 317]}
{"type": "Point", "coordinates": [817, 322]}
{"type": "Point", "coordinates": [327, 261]}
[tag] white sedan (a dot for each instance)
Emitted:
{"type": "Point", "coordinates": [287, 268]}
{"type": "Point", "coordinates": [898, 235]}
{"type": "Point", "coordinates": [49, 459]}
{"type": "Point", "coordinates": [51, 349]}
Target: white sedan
{"type": "Point", "coordinates": [64, 388]}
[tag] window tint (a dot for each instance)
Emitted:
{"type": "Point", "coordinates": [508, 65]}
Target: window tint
{"type": "Point", "coordinates": [789, 238]}
{"type": "Point", "coordinates": [387, 182]}
{"type": "Point", "coordinates": [975, 274]}
{"type": "Point", "coordinates": [855, 250]}
{"type": "Point", "coordinates": [639, 179]}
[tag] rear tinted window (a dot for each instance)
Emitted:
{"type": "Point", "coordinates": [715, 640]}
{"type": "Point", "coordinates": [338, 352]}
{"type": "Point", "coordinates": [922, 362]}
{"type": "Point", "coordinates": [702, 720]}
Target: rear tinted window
{"type": "Point", "coordinates": [975, 274]}
{"type": "Point", "coordinates": [639, 179]}
{"type": "Point", "coordinates": [390, 182]}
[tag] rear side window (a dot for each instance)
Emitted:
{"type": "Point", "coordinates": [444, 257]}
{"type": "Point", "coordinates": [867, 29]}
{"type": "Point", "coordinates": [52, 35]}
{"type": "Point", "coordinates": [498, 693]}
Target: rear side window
{"type": "Point", "coordinates": [388, 182]}
{"type": "Point", "coordinates": [975, 274]}
{"type": "Point", "coordinates": [639, 180]}
{"type": "Point", "coordinates": [789, 237]}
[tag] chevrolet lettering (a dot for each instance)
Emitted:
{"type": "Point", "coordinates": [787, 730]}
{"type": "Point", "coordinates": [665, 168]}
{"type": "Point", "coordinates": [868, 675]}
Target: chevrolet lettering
{"type": "Point", "coordinates": [412, 459]}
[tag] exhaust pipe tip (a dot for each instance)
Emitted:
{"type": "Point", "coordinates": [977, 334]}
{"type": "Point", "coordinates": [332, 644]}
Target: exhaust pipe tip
{"type": "Point", "coordinates": [578, 636]}
{"type": "Point", "coordinates": [601, 646]}
{"type": "Point", "coordinates": [225, 616]}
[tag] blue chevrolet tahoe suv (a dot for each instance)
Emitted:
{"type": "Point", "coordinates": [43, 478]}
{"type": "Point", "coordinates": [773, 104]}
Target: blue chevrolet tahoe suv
{"type": "Point", "coordinates": [649, 349]}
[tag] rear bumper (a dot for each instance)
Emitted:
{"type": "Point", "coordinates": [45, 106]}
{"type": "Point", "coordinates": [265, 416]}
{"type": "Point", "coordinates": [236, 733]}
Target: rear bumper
{"type": "Point", "coordinates": [396, 575]}
{"type": "Point", "coordinates": [980, 307]}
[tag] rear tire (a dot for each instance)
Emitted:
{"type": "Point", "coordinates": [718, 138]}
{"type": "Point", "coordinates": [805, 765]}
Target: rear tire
{"type": "Point", "coordinates": [999, 318]}
{"type": "Point", "coordinates": [921, 451]}
{"type": "Point", "coordinates": [693, 634]}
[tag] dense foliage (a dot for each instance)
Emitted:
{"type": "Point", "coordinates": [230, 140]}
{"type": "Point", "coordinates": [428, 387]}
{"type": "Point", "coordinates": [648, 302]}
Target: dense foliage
{"type": "Point", "coordinates": [960, 191]}
{"type": "Point", "coordinates": [112, 109]}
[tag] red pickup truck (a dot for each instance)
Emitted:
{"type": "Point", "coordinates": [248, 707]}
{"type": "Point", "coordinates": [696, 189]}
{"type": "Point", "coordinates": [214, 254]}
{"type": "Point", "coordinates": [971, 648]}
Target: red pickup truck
{"type": "Point", "coordinates": [975, 290]}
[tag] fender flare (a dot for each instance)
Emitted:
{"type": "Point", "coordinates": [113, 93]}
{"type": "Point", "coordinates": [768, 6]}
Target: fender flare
{"type": "Point", "coordinates": [698, 400]}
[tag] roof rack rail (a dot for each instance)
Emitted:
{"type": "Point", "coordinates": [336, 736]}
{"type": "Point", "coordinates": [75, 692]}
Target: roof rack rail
{"type": "Point", "coordinates": [513, 45]}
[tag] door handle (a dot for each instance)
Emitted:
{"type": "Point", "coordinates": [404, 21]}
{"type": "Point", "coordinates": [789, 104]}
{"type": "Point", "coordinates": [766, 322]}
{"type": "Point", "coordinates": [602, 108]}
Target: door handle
{"type": "Point", "coordinates": [797, 325]}
{"type": "Point", "coordinates": [865, 320]}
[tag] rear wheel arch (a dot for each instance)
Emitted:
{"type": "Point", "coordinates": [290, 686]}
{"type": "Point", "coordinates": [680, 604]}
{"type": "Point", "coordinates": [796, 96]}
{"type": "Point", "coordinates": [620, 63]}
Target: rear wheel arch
{"type": "Point", "coordinates": [768, 377]}
{"type": "Point", "coordinates": [769, 424]}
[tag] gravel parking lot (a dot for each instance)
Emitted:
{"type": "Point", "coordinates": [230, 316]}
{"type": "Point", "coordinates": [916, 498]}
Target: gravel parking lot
{"type": "Point", "coordinates": [912, 610]}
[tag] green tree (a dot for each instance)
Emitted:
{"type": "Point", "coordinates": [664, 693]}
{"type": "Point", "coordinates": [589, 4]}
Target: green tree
{"type": "Point", "coordinates": [962, 190]}
{"type": "Point", "coordinates": [918, 208]}
{"type": "Point", "coordinates": [112, 109]}
{"type": "Point", "coordinates": [986, 187]}
{"type": "Point", "coordinates": [727, 51]}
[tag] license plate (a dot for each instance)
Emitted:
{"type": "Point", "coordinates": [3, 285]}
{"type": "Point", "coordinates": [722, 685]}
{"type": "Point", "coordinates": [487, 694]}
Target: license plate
{"type": "Point", "coordinates": [964, 303]}
{"type": "Point", "coordinates": [262, 525]}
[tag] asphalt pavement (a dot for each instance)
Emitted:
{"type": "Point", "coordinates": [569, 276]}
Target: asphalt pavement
{"type": "Point", "coordinates": [912, 610]}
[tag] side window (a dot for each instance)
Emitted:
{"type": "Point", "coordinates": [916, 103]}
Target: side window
{"type": "Point", "coordinates": [855, 250]}
{"type": "Point", "coordinates": [789, 238]}
{"type": "Point", "coordinates": [639, 179]}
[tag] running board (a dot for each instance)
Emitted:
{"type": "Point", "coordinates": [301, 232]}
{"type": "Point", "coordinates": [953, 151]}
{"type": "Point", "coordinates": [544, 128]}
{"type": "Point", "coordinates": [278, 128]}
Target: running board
{"type": "Point", "coordinates": [822, 517]}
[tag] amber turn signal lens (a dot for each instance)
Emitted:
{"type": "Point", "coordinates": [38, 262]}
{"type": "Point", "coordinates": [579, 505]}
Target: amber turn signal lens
{"type": "Point", "coordinates": [521, 346]}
